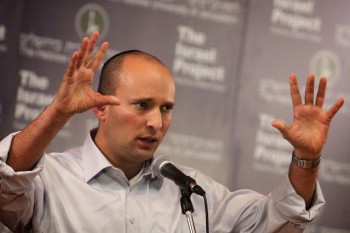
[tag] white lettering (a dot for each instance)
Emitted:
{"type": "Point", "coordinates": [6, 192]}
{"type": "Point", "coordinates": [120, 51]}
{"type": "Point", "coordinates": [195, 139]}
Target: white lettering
{"type": "Point", "coordinates": [33, 98]}
{"type": "Point", "coordinates": [187, 34]}
{"type": "Point", "coordinates": [196, 54]}
{"type": "Point", "coordinates": [306, 7]}
{"type": "Point", "coordinates": [272, 156]}
{"type": "Point", "coordinates": [296, 22]}
{"type": "Point", "coordinates": [31, 79]}
{"type": "Point", "coordinates": [199, 71]}
{"type": "Point", "coordinates": [38, 42]}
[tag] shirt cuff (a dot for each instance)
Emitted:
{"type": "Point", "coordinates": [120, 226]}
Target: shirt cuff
{"type": "Point", "coordinates": [292, 206]}
{"type": "Point", "coordinates": [12, 182]}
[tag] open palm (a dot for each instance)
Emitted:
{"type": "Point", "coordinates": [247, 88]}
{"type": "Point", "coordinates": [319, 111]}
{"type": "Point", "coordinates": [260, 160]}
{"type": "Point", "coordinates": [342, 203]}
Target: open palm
{"type": "Point", "coordinates": [309, 130]}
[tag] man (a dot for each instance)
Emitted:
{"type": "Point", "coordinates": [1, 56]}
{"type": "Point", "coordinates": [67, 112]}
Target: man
{"type": "Point", "coordinates": [107, 184]}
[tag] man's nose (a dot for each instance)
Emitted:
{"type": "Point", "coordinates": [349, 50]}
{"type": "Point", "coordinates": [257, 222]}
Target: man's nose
{"type": "Point", "coordinates": [155, 119]}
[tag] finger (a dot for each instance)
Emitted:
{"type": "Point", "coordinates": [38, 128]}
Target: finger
{"type": "Point", "coordinates": [72, 64]}
{"type": "Point", "coordinates": [92, 45]}
{"type": "Point", "coordinates": [294, 90]}
{"type": "Point", "coordinates": [82, 51]}
{"type": "Point", "coordinates": [321, 93]}
{"type": "Point", "coordinates": [96, 61]}
{"type": "Point", "coordinates": [335, 108]}
{"type": "Point", "coordinates": [309, 89]}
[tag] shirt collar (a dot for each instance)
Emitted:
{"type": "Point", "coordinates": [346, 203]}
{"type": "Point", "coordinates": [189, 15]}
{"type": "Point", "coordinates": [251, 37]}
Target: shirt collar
{"type": "Point", "coordinates": [94, 161]}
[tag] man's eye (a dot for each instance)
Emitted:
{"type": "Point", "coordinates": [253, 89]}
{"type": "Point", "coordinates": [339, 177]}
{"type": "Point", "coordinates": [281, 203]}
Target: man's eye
{"type": "Point", "coordinates": [142, 105]}
{"type": "Point", "coordinates": [167, 108]}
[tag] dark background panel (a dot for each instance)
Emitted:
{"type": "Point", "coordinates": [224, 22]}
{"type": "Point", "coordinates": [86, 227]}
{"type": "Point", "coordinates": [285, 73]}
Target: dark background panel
{"type": "Point", "coordinates": [221, 122]}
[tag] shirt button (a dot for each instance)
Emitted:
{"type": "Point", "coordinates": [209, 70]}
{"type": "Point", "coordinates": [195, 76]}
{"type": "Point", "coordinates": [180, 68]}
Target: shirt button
{"type": "Point", "coordinates": [132, 221]}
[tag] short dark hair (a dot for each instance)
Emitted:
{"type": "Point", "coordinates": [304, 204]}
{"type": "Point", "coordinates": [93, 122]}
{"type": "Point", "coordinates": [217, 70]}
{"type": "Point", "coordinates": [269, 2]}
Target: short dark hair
{"type": "Point", "coordinates": [112, 67]}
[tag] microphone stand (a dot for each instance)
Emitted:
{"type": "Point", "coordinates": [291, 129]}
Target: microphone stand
{"type": "Point", "coordinates": [187, 208]}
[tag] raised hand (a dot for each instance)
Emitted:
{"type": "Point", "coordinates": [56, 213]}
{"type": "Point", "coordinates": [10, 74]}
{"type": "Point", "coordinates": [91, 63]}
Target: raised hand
{"type": "Point", "coordinates": [75, 93]}
{"type": "Point", "coordinates": [309, 130]}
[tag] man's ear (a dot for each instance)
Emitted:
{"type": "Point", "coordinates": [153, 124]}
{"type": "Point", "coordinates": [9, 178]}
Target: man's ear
{"type": "Point", "coordinates": [100, 112]}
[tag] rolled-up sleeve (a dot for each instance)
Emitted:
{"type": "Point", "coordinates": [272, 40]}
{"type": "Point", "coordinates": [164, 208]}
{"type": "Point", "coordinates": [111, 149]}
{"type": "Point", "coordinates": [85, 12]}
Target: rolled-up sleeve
{"type": "Point", "coordinates": [244, 210]}
{"type": "Point", "coordinates": [289, 205]}
{"type": "Point", "coordinates": [18, 191]}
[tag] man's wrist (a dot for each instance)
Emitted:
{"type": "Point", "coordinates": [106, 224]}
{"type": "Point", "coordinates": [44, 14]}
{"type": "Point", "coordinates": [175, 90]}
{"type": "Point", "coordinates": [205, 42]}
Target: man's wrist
{"type": "Point", "coordinates": [57, 114]}
{"type": "Point", "coordinates": [306, 163]}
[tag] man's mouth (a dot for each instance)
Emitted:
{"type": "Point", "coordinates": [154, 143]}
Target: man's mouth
{"type": "Point", "coordinates": [149, 141]}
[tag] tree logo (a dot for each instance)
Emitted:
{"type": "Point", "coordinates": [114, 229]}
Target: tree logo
{"type": "Point", "coordinates": [326, 63]}
{"type": "Point", "coordinates": [91, 17]}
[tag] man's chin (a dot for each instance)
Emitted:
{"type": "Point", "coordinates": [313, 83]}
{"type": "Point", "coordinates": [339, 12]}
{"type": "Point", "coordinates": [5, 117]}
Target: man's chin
{"type": "Point", "coordinates": [146, 154]}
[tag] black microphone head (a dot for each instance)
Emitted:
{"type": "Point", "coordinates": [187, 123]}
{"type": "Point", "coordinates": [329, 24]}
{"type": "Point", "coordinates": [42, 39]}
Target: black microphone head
{"type": "Point", "coordinates": [157, 165]}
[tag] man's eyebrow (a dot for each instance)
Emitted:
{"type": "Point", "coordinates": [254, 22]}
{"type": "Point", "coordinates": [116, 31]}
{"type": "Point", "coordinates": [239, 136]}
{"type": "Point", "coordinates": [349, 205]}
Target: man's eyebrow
{"type": "Point", "coordinates": [148, 99]}
{"type": "Point", "coordinates": [171, 103]}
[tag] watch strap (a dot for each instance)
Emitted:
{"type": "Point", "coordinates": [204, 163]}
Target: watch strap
{"type": "Point", "coordinates": [306, 163]}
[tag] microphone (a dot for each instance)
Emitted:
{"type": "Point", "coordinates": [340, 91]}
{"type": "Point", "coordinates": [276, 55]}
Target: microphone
{"type": "Point", "coordinates": [162, 167]}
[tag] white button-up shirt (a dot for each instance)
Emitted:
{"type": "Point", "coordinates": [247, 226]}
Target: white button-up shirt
{"type": "Point", "coordinates": [80, 191]}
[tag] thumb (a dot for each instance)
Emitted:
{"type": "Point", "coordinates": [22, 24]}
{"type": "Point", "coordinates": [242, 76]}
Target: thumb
{"type": "Point", "coordinates": [281, 126]}
{"type": "Point", "coordinates": [101, 100]}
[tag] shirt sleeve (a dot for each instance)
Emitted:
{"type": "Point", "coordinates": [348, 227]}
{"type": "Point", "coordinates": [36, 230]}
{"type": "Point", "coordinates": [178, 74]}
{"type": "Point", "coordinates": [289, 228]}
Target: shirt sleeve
{"type": "Point", "coordinates": [18, 191]}
{"type": "Point", "coordinates": [283, 210]}
{"type": "Point", "coordinates": [290, 206]}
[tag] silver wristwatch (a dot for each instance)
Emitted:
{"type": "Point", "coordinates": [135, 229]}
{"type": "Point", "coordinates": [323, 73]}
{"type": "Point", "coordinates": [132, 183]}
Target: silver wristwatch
{"type": "Point", "coordinates": [305, 163]}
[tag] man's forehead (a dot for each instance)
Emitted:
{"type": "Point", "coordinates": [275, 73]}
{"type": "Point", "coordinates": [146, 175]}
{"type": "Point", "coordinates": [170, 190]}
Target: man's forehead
{"type": "Point", "coordinates": [140, 58]}
{"type": "Point", "coordinates": [144, 67]}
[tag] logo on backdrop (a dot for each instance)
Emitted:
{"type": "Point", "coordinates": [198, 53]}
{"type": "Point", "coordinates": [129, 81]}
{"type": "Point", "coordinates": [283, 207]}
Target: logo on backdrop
{"type": "Point", "coordinates": [342, 35]}
{"type": "Point", "coordinates": [2, 32]}
{"type": "Point", "coordinates": [326, 63]}
{"type": "Point", "coordinates": [3, 46]}
{"type": "Point", "coordinates": [91, 17]}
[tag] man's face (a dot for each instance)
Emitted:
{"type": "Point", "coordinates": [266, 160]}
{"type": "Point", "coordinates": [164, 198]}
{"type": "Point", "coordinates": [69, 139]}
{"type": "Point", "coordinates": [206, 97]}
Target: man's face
{"type": "Point", "coordinates": [134, 129]}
